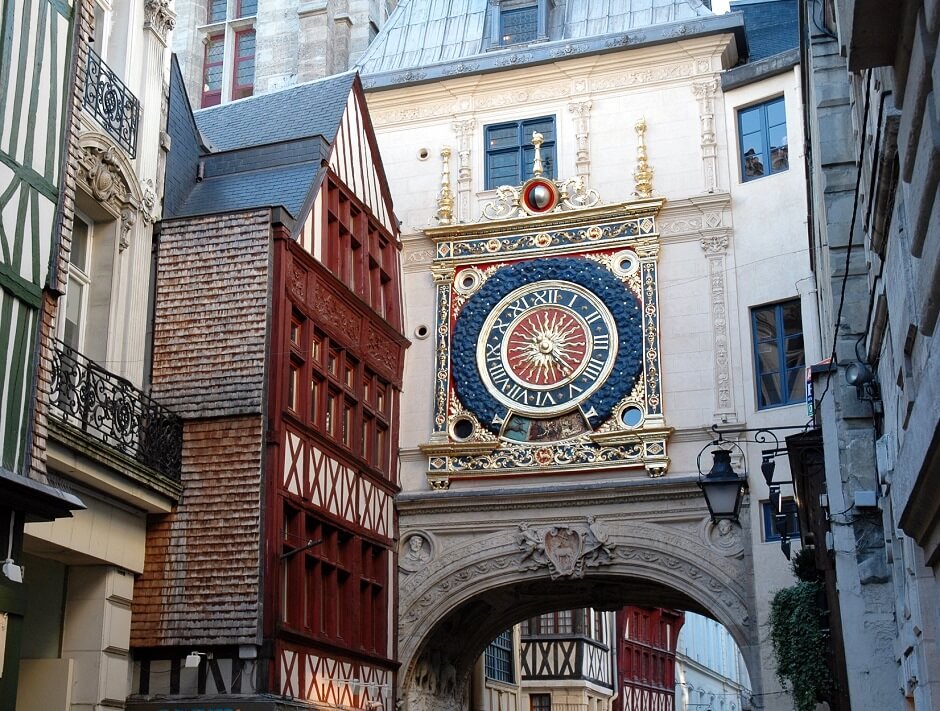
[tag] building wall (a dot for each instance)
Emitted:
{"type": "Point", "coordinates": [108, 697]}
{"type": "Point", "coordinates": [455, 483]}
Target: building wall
{"type": "Point", "coordinates": [874, 131]}
{"type": "Point", "coordinates": [710, 670]}
{"type": "Point", "coordinates": [296, 41]}
{"type": "Point", "coordinates": [727, 246]}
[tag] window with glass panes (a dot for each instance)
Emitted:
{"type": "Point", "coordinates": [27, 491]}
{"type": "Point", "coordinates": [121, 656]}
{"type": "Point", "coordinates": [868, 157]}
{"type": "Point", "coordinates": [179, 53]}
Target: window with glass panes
{"type": "Point", "coordinates": [330, 390]}
{"type": "Point", "coordinates": [215, 10]}
{"type": "Point", "coordinates": [79, 282]}
{"type": "Point", "coordinates": [510, 153]}
{"type": "Point", "coordinates": [498, 658]}
{"type": "Point", "coordinates": [540, 702]}
{"type": "Point", "coordinates": [246, 8]}
{"type": "Point", "coordinates": [243, 80]}
{"type": "Point", "coordinates": [779, 361]}
{"type": "Point", "coordinates": [776, 523]}
{"type": "Point", "coordinates": [360, 251]}
{"type": "Point", "coordinates": [212, 70]}
{"type": "Point", "coordinates": [322, 585]}
{"type": "Point", "coordinates": [762, 137]}
{"type": "Point", "coordinates": [518, 24]}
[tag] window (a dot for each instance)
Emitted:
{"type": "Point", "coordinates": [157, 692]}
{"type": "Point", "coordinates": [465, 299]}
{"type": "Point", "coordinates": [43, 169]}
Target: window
{"type": "Point", "coordinates": [762, 133]}
{"type": "Point", "coordinates": [778, 354]}
{"type": "Point", "coordinates": [510, 153]}
{"type": "Point", "coordinates": [244, 79]}
{"type": "Point", "coordinates": [229, 62]}
{"type": "Point", "coordinates": [776, 523]}
{"type": "Point", "coordinates": [540, 702]}
{"type": "Point", "coordinates": [212, 72]}
{"type": "Point", "coordinates": [518, 25]}
{"type": "Point", "coordinates": [498, 658]}
{"type": "Point", "coordinates": [517, 22]}
{"type": "Point", "coordinates": [79, 281]}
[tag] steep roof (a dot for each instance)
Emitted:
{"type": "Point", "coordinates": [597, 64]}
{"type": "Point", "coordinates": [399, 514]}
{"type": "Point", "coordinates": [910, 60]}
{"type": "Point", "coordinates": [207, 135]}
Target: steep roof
{"type": "Point", "coordinates": [771, 26]}
{"type": "Point", "coordinates": [427, 39]}
{"type": "Point", "coordinates": [311, 109]}
{"type": "Point", "coordinates": [263, 151]}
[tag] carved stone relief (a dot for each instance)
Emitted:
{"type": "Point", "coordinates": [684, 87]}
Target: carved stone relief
{"type": "Point", "coordinates": [582, 120]}
{"type": "Point", "coordinates": [159, 18]}
{"type": "Point", "coordinates": [416, 551]}
{"type": "Point", "coordinates": [565, 550]}
{"type": "Point", "coordinates": [705, 93]}
{"type": "Point", "coordinates": [463, 130]}
{"type": "Point", "coordinates": [106, 179]}
{"type": "Point", "coordinates": [715, 247]}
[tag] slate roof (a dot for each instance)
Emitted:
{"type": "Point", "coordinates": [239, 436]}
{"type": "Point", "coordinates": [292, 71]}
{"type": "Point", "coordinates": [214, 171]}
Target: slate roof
{"type": "Point", "coordinates": [771, 26]}
{"type": "Point", "coordinates": [263, 151]}
{"type": "Point", "coordinates": [420, 33]}
{"type": "Point", "coordinates": [311, 109]}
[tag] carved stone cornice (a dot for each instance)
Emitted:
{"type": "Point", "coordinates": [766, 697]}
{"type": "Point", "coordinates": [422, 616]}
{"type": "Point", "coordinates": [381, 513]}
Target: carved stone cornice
{"type": "Point", "coordinates": [159, 18]}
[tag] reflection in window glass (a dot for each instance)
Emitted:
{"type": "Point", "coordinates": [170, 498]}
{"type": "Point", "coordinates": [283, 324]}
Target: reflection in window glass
{"type": "Point", "coordinates": [762, 136]}
{"type": "Point", "coordinates": [779, 358]}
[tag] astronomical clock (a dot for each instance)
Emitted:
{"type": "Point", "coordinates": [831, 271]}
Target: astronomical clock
{"type": "Point", "coordinates": [547, 336]}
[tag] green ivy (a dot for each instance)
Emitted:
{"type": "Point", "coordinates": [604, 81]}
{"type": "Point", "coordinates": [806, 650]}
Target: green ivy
{"type": "Point", "coordinates": [800, 644]}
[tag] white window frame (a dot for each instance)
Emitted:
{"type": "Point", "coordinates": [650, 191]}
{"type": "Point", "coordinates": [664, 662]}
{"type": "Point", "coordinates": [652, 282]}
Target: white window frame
{"type": "Point", "coordinates": [83, 277]}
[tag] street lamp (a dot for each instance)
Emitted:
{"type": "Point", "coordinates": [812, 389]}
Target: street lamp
{"type": "Point", "coordinates": [722, 487]}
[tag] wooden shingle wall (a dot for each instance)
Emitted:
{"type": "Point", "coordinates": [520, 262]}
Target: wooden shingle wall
{"type": "Point", "coordinates": [201, 580]}
{"type": "Point", "coordinates": [211, 314]}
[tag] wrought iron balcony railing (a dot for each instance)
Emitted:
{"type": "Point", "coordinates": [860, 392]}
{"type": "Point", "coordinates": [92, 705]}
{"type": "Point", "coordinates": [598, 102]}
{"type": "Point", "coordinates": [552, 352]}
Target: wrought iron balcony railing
{"type": "Point", "coordinates": [112, 103]}
{"type": "Point", "coordinates": [113, 412]}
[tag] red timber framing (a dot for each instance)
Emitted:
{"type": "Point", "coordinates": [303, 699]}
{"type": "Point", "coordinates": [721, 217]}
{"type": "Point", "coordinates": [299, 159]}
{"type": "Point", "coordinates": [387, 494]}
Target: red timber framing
{"type": "Point", "coordinates": [646, 658]}
{"type": "Point", "coordinates": [336, 360]}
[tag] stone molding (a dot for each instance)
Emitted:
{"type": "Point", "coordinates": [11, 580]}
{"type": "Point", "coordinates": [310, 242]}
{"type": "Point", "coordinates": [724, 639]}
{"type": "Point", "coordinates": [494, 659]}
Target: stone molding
{"type": "Point", "coordinates": [716, 245]}
{"type": "Point", "coordinates": [582, 134]}
{"type": "Point", "coordinates": [689, 560]}
{"type": "Point", "coordinates": [464, 133]}
{"type": "Point", "coordinates": [106, 175]}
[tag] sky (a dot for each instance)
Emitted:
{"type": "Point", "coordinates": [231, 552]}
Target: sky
{"type": "Point", "coordinates": [720, 6]}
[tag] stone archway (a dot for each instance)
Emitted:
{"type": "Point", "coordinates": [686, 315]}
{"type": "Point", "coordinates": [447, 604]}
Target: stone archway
{"type": "Point", "coordinates": [474, 563]}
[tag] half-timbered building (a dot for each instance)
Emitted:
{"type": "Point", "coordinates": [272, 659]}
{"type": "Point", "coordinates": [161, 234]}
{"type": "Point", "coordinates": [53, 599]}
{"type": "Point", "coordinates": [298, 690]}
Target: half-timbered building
{"type": "Point", "coordinates": [646, 658]}
{"type": "Point", "coordinates": [278, 339]}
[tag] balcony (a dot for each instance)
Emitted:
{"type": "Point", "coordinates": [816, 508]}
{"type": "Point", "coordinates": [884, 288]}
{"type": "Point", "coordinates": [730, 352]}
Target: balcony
{"type": "Point", "coordinates": [111, 412]}
{"type": "Point", "coordinates": [112, 103]}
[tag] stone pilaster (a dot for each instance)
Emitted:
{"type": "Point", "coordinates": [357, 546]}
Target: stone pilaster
{"type": "Point", "coordinates": [716, 247]}
{"type": "Point", "coordinates": [582, 133]}
{"type": "Point", "coordinates": [705, 93]}
{"type": "Point", "coordinates": [463, 130]}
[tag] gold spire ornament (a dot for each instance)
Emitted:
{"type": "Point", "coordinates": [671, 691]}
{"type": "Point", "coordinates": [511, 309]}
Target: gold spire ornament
{"type": "Point", "coordinates": [445, 200]}
{"type": "Point", "coordinates": [643, 175]}
{"type": "Point", "coordinates": [537, 140]}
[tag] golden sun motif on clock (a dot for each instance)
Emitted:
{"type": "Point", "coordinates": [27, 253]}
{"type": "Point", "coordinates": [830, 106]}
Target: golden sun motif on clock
{"type": "Point", "coordinates": [547, 347]}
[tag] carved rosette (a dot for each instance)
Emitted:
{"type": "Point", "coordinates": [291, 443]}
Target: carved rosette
{"type": "Point", "coordinates": [159, 18]}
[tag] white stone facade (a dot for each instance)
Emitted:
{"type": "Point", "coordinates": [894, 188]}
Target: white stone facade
{"type": "Point", "coordinates": [726, 245]}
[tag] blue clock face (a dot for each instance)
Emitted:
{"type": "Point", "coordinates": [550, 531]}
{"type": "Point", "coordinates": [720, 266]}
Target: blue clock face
{"type": "Point", "coordinates": [546, 347]}
{"type": "Point", "coordinates": [546, 337]}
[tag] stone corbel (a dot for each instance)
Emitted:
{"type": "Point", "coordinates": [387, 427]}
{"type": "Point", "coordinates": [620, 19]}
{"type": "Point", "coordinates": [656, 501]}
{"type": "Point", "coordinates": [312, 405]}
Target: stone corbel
{"type": "Point", "coordinates": [159, 18]}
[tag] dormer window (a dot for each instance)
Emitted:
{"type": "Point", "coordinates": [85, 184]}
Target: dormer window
{"type": "Point", "coordinates": [518, 22]}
